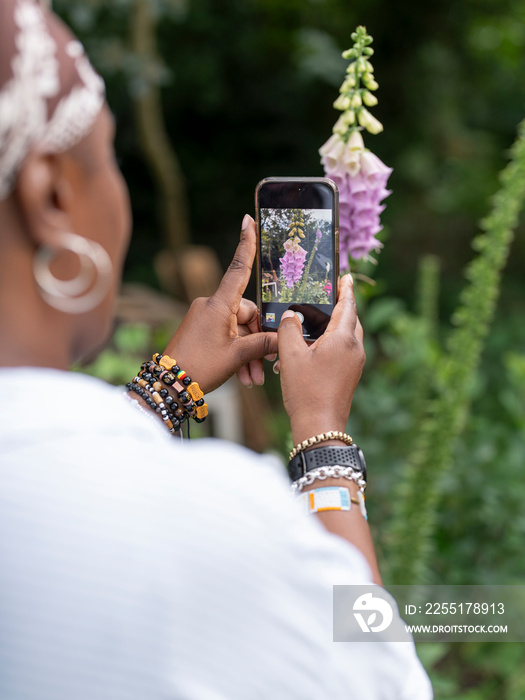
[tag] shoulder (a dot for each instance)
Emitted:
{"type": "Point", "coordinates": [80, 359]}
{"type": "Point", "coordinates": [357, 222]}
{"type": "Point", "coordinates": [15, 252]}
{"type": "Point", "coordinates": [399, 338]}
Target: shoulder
{"type": "Point", "coordinates": [97, 498]}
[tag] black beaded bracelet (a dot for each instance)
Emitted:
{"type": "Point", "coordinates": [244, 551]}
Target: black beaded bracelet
{"type": "Point", "coordinates": [156, 381]}
{"type": "Point", "coordinates": [173, 422]}
{"type": "Point", "coordinates": [165, 369]}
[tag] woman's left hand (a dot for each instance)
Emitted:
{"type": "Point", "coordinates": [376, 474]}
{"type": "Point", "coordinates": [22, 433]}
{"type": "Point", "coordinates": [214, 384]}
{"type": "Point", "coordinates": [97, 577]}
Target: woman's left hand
{"type": "Point", "coordinates": [220, 334]}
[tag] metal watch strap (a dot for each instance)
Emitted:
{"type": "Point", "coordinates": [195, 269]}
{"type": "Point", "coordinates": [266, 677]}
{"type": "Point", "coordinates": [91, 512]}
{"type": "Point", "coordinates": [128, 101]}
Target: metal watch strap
{"type": "Point", "coordinates": [305, 461]}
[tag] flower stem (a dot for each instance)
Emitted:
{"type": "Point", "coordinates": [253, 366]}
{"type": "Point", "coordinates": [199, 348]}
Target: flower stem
{"type": "Point", "coordinates": [307, 272]}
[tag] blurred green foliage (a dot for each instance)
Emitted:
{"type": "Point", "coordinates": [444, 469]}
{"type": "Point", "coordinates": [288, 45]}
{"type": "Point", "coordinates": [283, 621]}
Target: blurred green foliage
{"type": "Point", "coordinates": [449, 382]}
{"type": "Point", "coordinates": [129, 347]}
{"type": "Point", "coordinates": [480, 526]}
{"type": "Point", "coordinates": [248, 87]}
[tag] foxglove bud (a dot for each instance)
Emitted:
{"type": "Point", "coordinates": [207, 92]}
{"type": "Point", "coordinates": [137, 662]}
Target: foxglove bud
{"type": "Point", "coordinates": [345, 120]}
{"type": "Point", "coordinates": [369, 122]}
{"type": "Point", "coordinates": [369, 99]}
{"type": "Point", "coordinates": [342, 102]}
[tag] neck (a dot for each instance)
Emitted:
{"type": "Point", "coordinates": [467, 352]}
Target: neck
{"type": "Point", "coordinates": [29, 340]}
{"type": "Point", "coordinates": [31, 333]}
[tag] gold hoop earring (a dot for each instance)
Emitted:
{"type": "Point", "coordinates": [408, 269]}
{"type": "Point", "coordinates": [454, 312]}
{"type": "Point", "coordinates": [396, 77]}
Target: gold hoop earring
{"type": "Point", "coordinates": [84, 292]}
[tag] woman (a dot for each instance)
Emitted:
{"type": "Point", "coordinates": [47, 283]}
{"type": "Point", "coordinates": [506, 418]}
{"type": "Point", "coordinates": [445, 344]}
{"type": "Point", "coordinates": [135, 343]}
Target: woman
{"type": "Point", "coordinates": [132, 565]}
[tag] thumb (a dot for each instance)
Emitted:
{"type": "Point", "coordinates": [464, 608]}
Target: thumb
{"type": "Point", "coordinates": [237, 275]}
{"type": "Point", "coordinates": [290, 336]}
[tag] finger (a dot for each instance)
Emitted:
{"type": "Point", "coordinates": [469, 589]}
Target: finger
{"type": "Point", "coordinates": [344, 314]}
{"type": "Point", "coordinates": [247, 315]}
{"type": "Point", "coordinates": [237, 275]}
{"type": "Point", "coordinates": [257, 372]}
{"type": "Point", "coordinates": [253, 322]}
{"type": "Point", "coordinates": [255, 346]}
{"type": "Point", "coordinates": [359, 330]}
{"type": "Point", "coordinates": [243, 373]}
{"type": "Point", "coordinates": [290, 336]}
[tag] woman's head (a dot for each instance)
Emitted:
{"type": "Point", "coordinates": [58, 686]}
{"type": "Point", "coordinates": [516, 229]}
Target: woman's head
{"type": "Point", "coordinates": [64, 212]}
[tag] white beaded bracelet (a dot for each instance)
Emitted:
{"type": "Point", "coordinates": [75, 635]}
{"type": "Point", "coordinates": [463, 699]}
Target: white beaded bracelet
{"type": "Point", "coordinates": [323, 473]}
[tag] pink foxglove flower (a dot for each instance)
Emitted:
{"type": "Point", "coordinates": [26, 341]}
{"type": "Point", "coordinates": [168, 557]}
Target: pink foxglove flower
{"type": "Point", "coordinates": [292, 262]}
{"type": "Point", "coordinates": [361, 178]}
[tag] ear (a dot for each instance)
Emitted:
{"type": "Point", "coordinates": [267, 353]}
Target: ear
{"type": "Point", "coordinates": [44, 196]}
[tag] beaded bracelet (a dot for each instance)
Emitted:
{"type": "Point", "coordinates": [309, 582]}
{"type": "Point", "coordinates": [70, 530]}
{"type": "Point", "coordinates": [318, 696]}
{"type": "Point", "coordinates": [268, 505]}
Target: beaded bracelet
{"type": "Point", "coordinates": [156, 380]}
{"type": "Point", "coordinates": [323, 473]}
{"type": "Point", "coordinates": [153, 373]}
{"type": "Point", "coordinates": [153, 399]}
{"type": "Point", "coordinates": [166, 369]}
{"type": "Point", "coordinates": [322, 437]}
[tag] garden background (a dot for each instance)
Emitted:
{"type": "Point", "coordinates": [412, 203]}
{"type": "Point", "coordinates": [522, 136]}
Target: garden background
{"type": "Point", "coordinates": [210, 97]}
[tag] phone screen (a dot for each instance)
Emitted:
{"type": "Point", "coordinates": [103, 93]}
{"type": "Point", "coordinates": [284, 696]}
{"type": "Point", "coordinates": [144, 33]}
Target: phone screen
{"type": "Point", "coordinates": [297, 251]}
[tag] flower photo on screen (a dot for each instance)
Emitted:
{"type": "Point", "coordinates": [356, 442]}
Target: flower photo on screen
{"type": "Point", "coordinates": [297, 255]}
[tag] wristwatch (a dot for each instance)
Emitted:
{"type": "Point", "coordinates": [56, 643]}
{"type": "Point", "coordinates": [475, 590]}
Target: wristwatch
{"type": "Point", "coordinates": [305, 461]}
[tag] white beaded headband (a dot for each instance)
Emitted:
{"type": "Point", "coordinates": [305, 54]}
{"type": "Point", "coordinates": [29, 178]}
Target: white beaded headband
{"type": "Point", "coordinates": [25, 118]}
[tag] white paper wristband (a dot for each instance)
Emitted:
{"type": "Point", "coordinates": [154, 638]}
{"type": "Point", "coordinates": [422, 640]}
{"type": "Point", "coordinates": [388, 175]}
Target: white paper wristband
{"type": "Point", "coordinates": [331, 498]}
{"type": "Point", "coordinates": [326, 498]}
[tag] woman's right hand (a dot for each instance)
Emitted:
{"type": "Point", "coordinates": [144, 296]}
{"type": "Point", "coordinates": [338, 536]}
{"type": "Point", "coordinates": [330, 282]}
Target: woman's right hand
{"type": "Point", "coordinates": [318, 381]}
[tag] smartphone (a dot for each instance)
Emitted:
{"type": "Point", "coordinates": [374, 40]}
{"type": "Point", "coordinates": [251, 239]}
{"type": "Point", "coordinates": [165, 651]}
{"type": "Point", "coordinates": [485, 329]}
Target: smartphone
{"type": "Point", "coordinates": [297, 251]}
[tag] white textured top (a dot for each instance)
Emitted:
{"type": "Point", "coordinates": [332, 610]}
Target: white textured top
{"type": "Point", "coordinates": [134, 566]}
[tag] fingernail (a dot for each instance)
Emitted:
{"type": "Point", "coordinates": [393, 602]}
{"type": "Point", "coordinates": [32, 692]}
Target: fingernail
{"type": "Point", "coordinates": [246, 221]}
{"type": "Point", "coordinates": [275, 369]}
{"type": "Point", "coordinates": [262, 380]}
{"type": "Point", "coordinates": [351, 278]}
{"type": "Point", "coordinates": [288, 314]}
{"type": "Point", "coordinates": [249, 386]}
{"type": "Point", "coordinates": [271, 358]}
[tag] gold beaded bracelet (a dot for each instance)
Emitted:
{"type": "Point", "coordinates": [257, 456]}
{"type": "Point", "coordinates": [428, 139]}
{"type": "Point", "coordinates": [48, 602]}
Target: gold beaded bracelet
{"type": "Point", "coordinates": [322, 437]}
